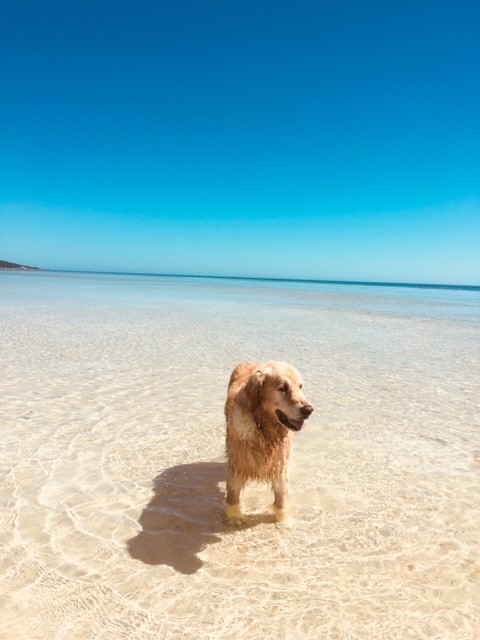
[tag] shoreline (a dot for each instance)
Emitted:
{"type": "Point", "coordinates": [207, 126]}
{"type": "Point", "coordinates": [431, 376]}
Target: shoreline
{"type": "Point", "coordinates": [5, 265]}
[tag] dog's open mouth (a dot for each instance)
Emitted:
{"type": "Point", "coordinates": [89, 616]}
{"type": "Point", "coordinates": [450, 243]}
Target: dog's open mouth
{"type": "Point", "coordinates": [294, 425]}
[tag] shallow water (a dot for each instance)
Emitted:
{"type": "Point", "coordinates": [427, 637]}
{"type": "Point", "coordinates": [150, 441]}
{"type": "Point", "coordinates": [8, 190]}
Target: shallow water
{"type": "Point", "coordinates": [112, 469]}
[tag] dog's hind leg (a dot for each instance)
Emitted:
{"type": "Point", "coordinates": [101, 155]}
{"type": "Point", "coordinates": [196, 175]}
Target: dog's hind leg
{"type": "Point", "coordinates": [233, 511]}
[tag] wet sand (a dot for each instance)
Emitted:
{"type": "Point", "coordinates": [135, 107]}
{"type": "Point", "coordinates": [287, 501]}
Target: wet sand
{"type": "Point", "coordinates": [112, 468]}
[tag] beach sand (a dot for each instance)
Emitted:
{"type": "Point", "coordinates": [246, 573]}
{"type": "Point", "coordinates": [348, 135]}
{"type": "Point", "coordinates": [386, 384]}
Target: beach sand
{"type": "Point", "coordinates": [112, 468]}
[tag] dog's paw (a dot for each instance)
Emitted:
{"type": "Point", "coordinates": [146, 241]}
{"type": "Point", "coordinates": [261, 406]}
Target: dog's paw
{"type": "Point", "coordinates": [281, 515]}
{"type": "Point", "coordinates": [234, 515]}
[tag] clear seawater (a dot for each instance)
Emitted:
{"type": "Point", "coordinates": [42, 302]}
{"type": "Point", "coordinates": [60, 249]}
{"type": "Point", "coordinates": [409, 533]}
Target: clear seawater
{"type": "Point", "coordinates": [112, 468]}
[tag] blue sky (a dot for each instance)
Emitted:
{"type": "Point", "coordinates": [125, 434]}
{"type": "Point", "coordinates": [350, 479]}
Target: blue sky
{"type": "Point", "coordinates": [330, 140]}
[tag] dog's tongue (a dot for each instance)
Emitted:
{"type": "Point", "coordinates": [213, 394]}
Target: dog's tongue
{"type": "Point", "coordinates": [298, 424]}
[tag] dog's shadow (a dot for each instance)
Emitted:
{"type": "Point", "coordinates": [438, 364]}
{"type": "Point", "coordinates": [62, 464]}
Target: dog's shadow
{"type": "Point", "coordinates": [184, 516]}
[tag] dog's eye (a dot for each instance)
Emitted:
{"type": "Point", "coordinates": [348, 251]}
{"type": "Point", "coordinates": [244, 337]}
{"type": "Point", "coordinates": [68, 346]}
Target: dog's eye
{"type": "Point", "coordinates": [300, 386]}
{"type": "Point", "coordinates": [284, 387]}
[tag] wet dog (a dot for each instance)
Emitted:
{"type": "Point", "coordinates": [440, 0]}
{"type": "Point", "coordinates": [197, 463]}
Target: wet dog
{"type": "Point", "coordinates": [265, 406]}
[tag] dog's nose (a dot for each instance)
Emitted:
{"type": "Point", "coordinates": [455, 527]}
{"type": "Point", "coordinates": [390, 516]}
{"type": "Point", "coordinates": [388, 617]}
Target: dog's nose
{"type": "Point", "coordinates": [306, 410]}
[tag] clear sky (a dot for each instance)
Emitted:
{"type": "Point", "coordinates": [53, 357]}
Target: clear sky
{"type": "Point", "coordinates": [326, 139]}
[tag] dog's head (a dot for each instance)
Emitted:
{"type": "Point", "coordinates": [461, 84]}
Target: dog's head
{"type": "Point", "coordinates": [276, 391]}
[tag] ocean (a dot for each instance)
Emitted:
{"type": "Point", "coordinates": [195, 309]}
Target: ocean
{"type": "Point", "coordinates": [112, 466]}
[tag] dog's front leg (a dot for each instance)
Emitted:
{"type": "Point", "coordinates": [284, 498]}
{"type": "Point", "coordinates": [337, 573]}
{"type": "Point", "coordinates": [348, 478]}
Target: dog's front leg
{"type": "Point", "coordinates": [280, 505]}
{"type": "Point", "coordinates": [233, 511]}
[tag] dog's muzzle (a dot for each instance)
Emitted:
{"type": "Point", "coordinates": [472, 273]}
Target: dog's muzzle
{"type": "Point", "coordinates": [294, 425]}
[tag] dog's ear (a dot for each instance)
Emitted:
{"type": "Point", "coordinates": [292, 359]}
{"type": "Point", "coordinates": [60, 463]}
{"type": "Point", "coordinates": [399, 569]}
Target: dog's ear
{"type": "Point", "coordinates": [252, 391]}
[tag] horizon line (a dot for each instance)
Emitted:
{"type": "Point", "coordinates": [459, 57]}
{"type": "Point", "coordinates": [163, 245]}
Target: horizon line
{"type": "Point", "coordinates": [368, 283]}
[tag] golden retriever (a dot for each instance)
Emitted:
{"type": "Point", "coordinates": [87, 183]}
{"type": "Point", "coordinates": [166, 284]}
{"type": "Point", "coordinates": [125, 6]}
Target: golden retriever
{"type": "Point", "coordinates": [265, 405]}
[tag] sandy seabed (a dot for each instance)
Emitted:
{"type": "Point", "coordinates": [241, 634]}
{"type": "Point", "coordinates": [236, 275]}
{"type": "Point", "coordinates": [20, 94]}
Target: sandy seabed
{"type": "Point", "coordinates": [112, 469]}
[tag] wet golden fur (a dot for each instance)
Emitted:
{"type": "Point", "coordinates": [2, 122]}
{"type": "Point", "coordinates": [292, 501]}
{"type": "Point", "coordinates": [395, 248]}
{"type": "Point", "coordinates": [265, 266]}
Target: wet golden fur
{"type": "Point", "coordinates": [265, 404]}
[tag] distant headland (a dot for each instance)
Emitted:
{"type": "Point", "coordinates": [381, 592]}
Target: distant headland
{"type": "Point", "coordinates": [19, 267]}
